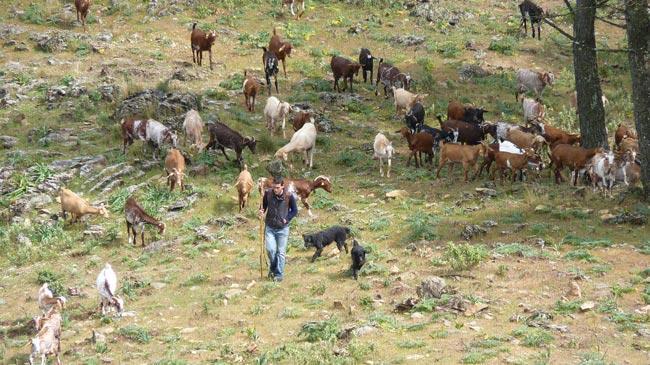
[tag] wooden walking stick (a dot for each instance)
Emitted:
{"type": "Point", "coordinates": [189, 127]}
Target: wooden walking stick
{"type": "Point", "coordinates": [262, 258]}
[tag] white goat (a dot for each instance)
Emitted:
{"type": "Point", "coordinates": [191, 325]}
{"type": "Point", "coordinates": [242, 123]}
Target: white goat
{"type": "Point", "coordinates": [602, 172]}
{"type": "Point", "coordinates": [106, 286]}
{"type": "Point", "coordinates": [383, 149]}
{"type": "Point", "coordinates": [46, 299]}
{"type": "Point", "coordinates": [303, 140]}
{"type": "Point", "coordinates": [193, 127]}
{"type": "Point", "coordinates": [48, 339]}
{"type": "Point", "coordinates": [528, 80]}
{"type": "Point", "coordinates": [404, 99]}
{"type": "Point", "coordinates": [509, 147]}
{"type": "Point", "coordinates": [574, 100]}
{"type": "Point", "coordinates": [534, 110]}
{"type": "Point", "coordinates": [274, 111]}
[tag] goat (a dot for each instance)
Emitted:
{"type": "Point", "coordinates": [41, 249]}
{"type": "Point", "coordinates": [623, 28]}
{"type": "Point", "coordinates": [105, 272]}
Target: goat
{"type": "Point", "coordinates": [300, 118]}
{"type": "Point", "coordinates": [628, 171]}
{"type": "Point", "coordinates": [623, 132]}
{"type": "Point", "coordinates": [193, 127]}
{"type": "Point", "coordinates": [511, 161]}
{"type": "Point", "coordinates": [291, 2]}
{"type": "Point", "coordinates": [300, 187]}
{"type": "Point", "coordinates": [222, 137]}
{"type": "Point", "coordinates": [148, 130]}
{"type": "Point", "coordinates": [405, 100]}
{"type": "Point", "coordinates": [366, 59]}
{"type": "Point", "coordinates": [390, 76]}
{"type": "Point", "coordinates": [534, 110]}
{"type": "Point", "coordinates": [418, 143]}
{"type": "Point", "coordinates": [455, 153]}
{"type": "Point", "coordinates": [414, 118]}
{"type": "Point", "coordinates": [383, 150]}
{"type": "Point", "coordinates": [629, 144]}
{"type": "Point", "coordinates": [358, 258]}
{"type": "Point", "coordinates": [281, 49]}
{"type": "Point", "coordinates": [46, 299]}
{"type": "Point", "coordinates": [528, 80]}
{"type": "Point", "coordinates": [304, 140]}
{"type": "Point", "coordinates": [602, 172]}
{"type": "Point", "coordinates": [525, 140]}
{"type": "Point", "coordinates": [136, 218]}
{"type": "Point", "coordinates": [274, 111]}
{"type": "Point", "coordinates": [323, 238]}
{"type": "Point", "coordinates": [576, 158]}
{"type": "Point", "coordinates": [106, 285]}
{"type": "Point", "coordinates": [466, 113]}
{"type": "Point", "coordinates": [244, 185]}
{"type": "Point", "coordinates": [346, 69]}
{"type": "Point", "coordinates": [250, 88]}
{"type": "Point", "coordinates": [503, 146]}
{"type": "Point", "coordinates": [201, 42]}
{"type": "Point", "coordinates": [48, 339]}
{"type": "Point", "coordinates": [77, 207]}
{"type": "Point", "coordinates": [574, 100]}
{"type": "Point", "coordinates": [468, 133]}
{"type": "Point", "coordinates": [535, 14]}
{"type": "Point", "coordinates": [175, 169]}
{"type": "Point", "coordinates": [270, 61]}
{"type": "Point", "coordinates": [82, 7]}
{"type": "Point", "coordinates": [556, 136]}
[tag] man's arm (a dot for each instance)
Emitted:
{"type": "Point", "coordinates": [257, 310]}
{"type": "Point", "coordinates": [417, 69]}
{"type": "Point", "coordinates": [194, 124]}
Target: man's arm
{"type": "Point", "coordinates": [293, 208]}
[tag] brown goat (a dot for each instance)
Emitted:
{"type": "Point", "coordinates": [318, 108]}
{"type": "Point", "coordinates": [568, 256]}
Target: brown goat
{"type": "Point", "coordinates": [303, 188]}
{"type": "Point", "coordinates": [455, 111]}
{"type": "Point", "coordinates": [175, 169]}
{"type": "Point", "coordinates": [629, 144]}
{"type": "Point", "coordinates": [281, 49]}
{"type": "Point", "coordinates": [251, 87]}
{"type": "Point", "coordinates": [467, 155]}
{"type": "Point", "coordinates": [244, 187]}
{"type": "Point", "coordinates": [556, 136]}
{"type": "Point", "coordinates": [82, 7]}
{"type": "Point", "coordinates": [201, 42]}
{"type": "Point", "coordinates": [623, 132]}
{"type": "Point", "coordinates": [513, 162]}
{"type": "Point", "coordinates": [346, 69]}
{"type": "Point", "coordinates": [418, 143]}
{"type": "Point", "coordinates": [299, 119]}
{"type": "Point", "coordinates": [525, 140]}
{"type": "Point", "coordinates": [136, 218]}
{"type": "Point", "coordinates": [575, 158]}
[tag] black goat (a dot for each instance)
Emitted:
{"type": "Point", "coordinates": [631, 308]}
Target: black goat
{"type": "Point", "coordinates": [358, 258]}
{"type": "Point", "coordinates": [222, 136]}
{"type": "Point", "coordinates": [270, 61]}
{"type": "Point", "coordinates": [324, 238]}
{"type": "Point", "coordinates": [535, 14]}
{"type": "Point", "coordinates": [414, 118]}
{"type": "Point", "coordinates": [366, 59]}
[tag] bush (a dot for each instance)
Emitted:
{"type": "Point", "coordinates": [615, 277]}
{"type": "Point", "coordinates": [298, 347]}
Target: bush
{"type": "Point", "coordinates": [326, 330]}
{"type": "Point", "coordinates": [464, 256]}
{"type": "Point", "coordinates": [53, 281]}
{"type": "Point", "coordinates": [135, 333]}
{"type": "Point", "coordinates": [505, 45]}
{"type": "Point", "coordinates": [421, 226]}
{"type": "Point", "coordinates": [234, 82]}
{"type": "Point", "coordinates": [33, 14]}
{"type": "Point", "coordinates": [533, 337]}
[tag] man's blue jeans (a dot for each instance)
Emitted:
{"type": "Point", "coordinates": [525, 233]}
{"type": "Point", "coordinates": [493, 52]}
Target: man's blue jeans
{"type": "Point", "coordinates": [276, 248]}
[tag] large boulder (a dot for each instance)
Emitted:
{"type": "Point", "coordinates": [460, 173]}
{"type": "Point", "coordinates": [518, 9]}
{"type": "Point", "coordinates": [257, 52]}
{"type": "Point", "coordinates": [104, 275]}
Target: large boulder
{"type": "Point", "coordinates": [431, 288]}
{"type": "Point", "coordinates": [167, 108]}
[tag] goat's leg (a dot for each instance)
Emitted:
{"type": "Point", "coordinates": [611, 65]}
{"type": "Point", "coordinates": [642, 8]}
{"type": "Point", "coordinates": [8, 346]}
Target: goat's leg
{"type": "Point", "coordinates": [381, 168]}
{"type": "Point", "coordinates": [128, 232]}
{"type": "Point", "coordinates": [440, 165]}
{"type": "Point", "coordinates": [223, 150]}
{"type": "Point", "coordinates": [292, 11]}
{"type": "Point", "coordinates": [193, 57]}
{"type": "Point", "coordinates": [210, 55]}
{"type": "Point", "coordinates": [142, 236]}
{"type": "Point", "coordinates": [303, 5]}
{"type": "Point", "coordinates": [311, 158]}
{"type": "Point", "coordinates": [275, 78]}
{"type": "Point", "coordinates": [43, 359]}
{"type": "Point", "coordinates": [307, 206]}
{"type": "Point", "coordinates": [284, 68]}
{"type": "Point", "coordinates": [388, 170]}
{"type": "Point", "coordinates": [539, 30]}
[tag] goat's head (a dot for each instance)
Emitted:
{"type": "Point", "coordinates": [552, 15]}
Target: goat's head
{"type": "Point", "coordinates": [38, 322]}
{"type": "Point", "coordinates": [251, 143]}
{"type": "Point", "coordinates": [281, 154]}
{"type": "Point", "coordinates": [548, 78]}
{"type": "Point", "coordinates": [323, 182]}
{"type": "Point", "coordinates": [286, 48]}
{"type": "Point", "coordinates": [161, 227]}
{"type": "Point", "coordinates": [102, 211]}
{"type": "Point", "coordinates": [118, 303]}
{"type": "Point", "coordinates": [177, 175]}
{"type": "Point", "coordinates": [534, 160]}
{"type": "Point", "coordinates": [211, 37]}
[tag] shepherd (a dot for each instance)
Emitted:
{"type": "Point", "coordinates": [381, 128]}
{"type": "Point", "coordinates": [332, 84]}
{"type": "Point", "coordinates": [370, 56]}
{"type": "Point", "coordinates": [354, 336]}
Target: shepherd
{"type": "Point", "coordinates": [279, 206]}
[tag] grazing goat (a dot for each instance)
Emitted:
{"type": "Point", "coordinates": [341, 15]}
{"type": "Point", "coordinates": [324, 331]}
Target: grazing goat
{"type": "Point", "coordinates": [82, 7]}
{"type": "Point", "coordinates": [291, 3]}
{"type": "Point", "coordinates": [602, 172]}
{"type": "Point", "coordinates": [300, 187]}
{"type": "Point", "coordinates": [48, 339]}
{"type": "Point", "coordinates": [405, 100]}
{"type": "Point", "coordinates": [515, 162]}
{"type": "Point", "coordinates": [346, 69]}
{"type": "Point", "coordinates": [358, 258]}
{"type": "Point", "coordinates": [106, 285]}
{"type": "Point", "coordinates": [390, 76]}
{"type": "Point", "coordinates": [281, 49]}
{"type": "Point", "coordinates": [525, 140]}
{"type": "Point", "coordinates": [466, 113]}
{"type": "Point", "coordinates": [528, 80]}
{"type": "Point", "coordinates": [77, 207]}
{"type": "Point", "coordinates": [136, 218]}
{"type": "Point", "coordinates": [300, 118]}
{"type": "Point", "coordinates": [575, 158]}
{"type": "Point", "coordinates": [244, 187]}
{"type": "Point", "coordinates": [148, 130]}
{"type": "Point", "coordinates": [383, 150]}
{"type": "Point", "coordinates": [250, 89]}
{"type": "Point", "coordinates": [175, 169]}
{"type": "Point", "coordinates": [270, 61]}
{"type": "Point", "coordinates": [366, 59]}
{"type": "Point", "coordinates": [414, 118]}
{"type": "Point", "coordinates": [304, 140]}
{"type": "Point", "coordinates": [574, 100]}
{"type": "Point", "coordinates": [193, 127]}
{"type": "Point", "coordinates": [274, 111]}
{"type": "Point", "coordinates": [222, 137]}
{"type": "Point", "coordinates": [503, 146]}
{"type": "Point", "coordinates": [201, 42]}
{"type": "Point", "coordinates": [46, 299]}
{"type": "Point", "coordinates": [418, 143]}
{"type": "Point", "coordinates": [628, 171]}
{"type": "Point", "coordinates": [456, 153]}
{"type": "Point", "coordinates": [623, 132]}
{"type": "Point", "coordinates": [323, 238]}
{"type": "Point", "coordinates": [468, 133]}
{"type": "Point", "coordinates": [534, 110]}
{"type": "Point", "coordinates": [535, 13]}
{"type": "Point", "coordinates": [629, 144]}
{"type": "Point", "coordinates": [556, 136]}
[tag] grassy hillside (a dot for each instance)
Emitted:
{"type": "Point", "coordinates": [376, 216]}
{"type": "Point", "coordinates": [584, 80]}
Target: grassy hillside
{"type": "Point", "coordinates": [201, 299]}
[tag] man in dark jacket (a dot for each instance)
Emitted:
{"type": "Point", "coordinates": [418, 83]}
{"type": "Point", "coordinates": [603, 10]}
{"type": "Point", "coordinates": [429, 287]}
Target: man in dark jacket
{"type": "Point", "coordinates": [280, 207]}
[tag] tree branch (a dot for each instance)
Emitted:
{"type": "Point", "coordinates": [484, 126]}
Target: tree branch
{"type": "Point", "coordinates": [610, 22]}
{"type": "Point", "coordinates": [550, 22]}
{"type": "Point", "coordinates": [568, 5]}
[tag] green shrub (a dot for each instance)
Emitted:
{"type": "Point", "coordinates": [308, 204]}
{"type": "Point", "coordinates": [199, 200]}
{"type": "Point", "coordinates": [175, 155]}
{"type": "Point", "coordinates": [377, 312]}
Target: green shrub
{"type": "Point", "coordinates": [349, 158]}
{"type": "Point", "coordinates": [533, 337]}
{"type": "Point", "coordinates": [233, 82]}
{"type": "Point", "coordinates": [581, 255]}
{"type": "Point", "coordinates": [567, 307]}
{"type": "Point", "coordinates": [464, 256]}
{"type": "Point", "coordinates": [135, 333]}
{"type": "Point", "coordinates": [504, 45]}
{"type": "Point", "coordinates": [586, 242]}
{"type": "Point", "coordinates": [326, 330]}
{"type": "Point", "coordinates": [53, 281]}
{"type": "Point", "coordinates": [34, 14]}
{"type": "Point", "coordinates": [517, 249]}
{"type": "Point", "coordinates": [421, 226]}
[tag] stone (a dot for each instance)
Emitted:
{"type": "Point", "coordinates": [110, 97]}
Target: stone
{"type": "Point", "coordinates": [474, 308]}
{"type": "Point", "coordinates": [338, 305]}
{"type": "Point", "coordinates": [394, 194]}
{"type": "Point", "coordinates": [160, 245]}
{"type": "Point", "coordinates": [167, 108]}
{"type": "Point", "coordinates": [393, 270]}
{"type": "Point", "coordinates": [334, 252]}
{"type": "Point", "coordinates": [363, 330]}
{"type": "Point", "coordinates": [634, 218]}
{"type": "Point", "coordinates": [98, 337]}
{"type": "Point", "coordinates": [486, 191]}
{"type": "Point", "coordinates": [8, 141]}
{"type": "Point", "coordinates": [187, 330]}
{"type": "Point", "coordinates": [470, 71]}
{"type": "Point", "coordinates": [408, 40]}
{"type": "Point", "coordinates": [23, 240]}
{"type": "Point", "coordinates": [105, 37]}
{"type": "Point", "coordinates": [431, 288]}
{"type": "Point", "coordinates": [184, 202]}
{"type": "Point", "coordinates": [158, 285]}
{"type": "Point", "coordinates": [232, 293]}
{"type": "Point", "coordinates": [574, 290]}
{"type": "Point", "coordinates": [417, 315]}
{"type": "Point", "coordinates": [587, 306]}
{"type": "Point", "coordinates": [203, 233]}
{"type": "Point", "coordinates": [472, 230]}
{"type": "Point", "coordinates": [94, 231]}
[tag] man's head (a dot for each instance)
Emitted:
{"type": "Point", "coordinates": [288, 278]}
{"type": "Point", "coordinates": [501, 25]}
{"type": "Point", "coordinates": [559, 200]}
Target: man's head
{"type": "Point", "coordinates": [278, 185]}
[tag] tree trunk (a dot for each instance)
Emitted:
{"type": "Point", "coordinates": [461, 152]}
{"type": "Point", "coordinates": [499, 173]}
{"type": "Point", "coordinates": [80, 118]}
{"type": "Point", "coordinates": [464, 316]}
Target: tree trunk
{"type": "Point", "coordinates": [590, 106]}
{"type": "Point", "coordinates": [638, 35]}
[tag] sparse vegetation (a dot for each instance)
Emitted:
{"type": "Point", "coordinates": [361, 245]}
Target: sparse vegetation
{"type": "Point", "coordinates": [464, 256]}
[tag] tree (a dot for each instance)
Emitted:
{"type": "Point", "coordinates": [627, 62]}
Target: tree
{"type": "Point", "coordinates": [591, 113]}
{"type": "Point", "coordinates": [638, 34]}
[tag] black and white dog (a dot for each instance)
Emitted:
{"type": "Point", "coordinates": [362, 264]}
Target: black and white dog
{"type": "Point", "coordinates": [324, 238]}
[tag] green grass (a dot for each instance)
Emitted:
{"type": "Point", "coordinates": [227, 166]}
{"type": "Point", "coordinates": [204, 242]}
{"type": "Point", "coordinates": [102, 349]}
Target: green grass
{"type": "Point", "coordinates": [533, 337]}
{"type": "Point", "coordinates": [422, 226]}
{"type": "Point", "coordinates": [464, 256]}
{"type": "Point", "coordinates": [326, 330]}
{"type": "Point", "coordinates": [581, 255]}
{"type": "Point", "coordinates": [135, 333]}
{"type": "Point", "coordinates": [518, 249]}
{"type": "Point", "coordinates": [53, 280]}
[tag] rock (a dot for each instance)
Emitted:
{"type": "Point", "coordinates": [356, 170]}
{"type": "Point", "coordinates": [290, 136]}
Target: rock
{"type": "Point", "coordinates": [355, 29]}
{"type": "Point", "coordinates": [23, 240]}
{"type": "Point", "coordinates": [203, 233]}
{"type": "Point", "coordinates": [363, 330]}
{"type": "Point", "coordinates": [643, 332]}
{"type": "Point", "coordinates": [167, 108]}
{"type": "Point", "coordinates": [338, 305]}
{"type": "Point", "coordinates": [587, 306]}
{"type": "Point", "coordinates": [408, 40]}
{"type": "Point", "coordinates": [606, 218]}
{"type": "Point", "coordinates": [8, 141]}
{"type": "Point", "coordinates": [158, 285]}
{"type": "Point", "coordinates": [183, 202]}
{"type": "Point", "coordinates": [394, 270]}
{"type": "Point", "coordinates": [109, 92]}
{"type": "Point", "coordinates": [470, 71]}
{"type": "Point", "coordinates": [94, 231]}
{"type": "Point", "coordinates": [105, 37]}
{"type": "Point", "coordinates": [406, 305]}
{"type": "Point", "coordinates": [52, 41]}
{"type": "Point", "coordinates": [160, 245]}
{"type": "Point", "coordinates": [486, 191]}
{"type": "Point", "coordinates": [63, 137]}
{"type": "Point", "coordinates": [541, 208]}
{"type": "Point", "coordinates": [397, 194]}
{"type": "Point", "coordinates": [98, 337]}
{"type": "Point", "coordinates": [431, 287]}
{"type": "Point", "coordinates": [472, 230]}
{"type": "Point", "coordinates": [490, 224]}
{"type": "Point", "coordinates": [182, 75]}
{"type": "Point", "coordinates": [187, 330]}
{"type": "Point", "coordinates": [417, 315]}
{"type": "Point", "coordinates": [39, 201]}
{"type": "Point", "coordinates": [474, 308]}
{"type": "Point", "coordinates": [634, 218]}
{"type": "Point", "coordinates": [232, 293]}
{"type": "Point", "coordinates": [339, 98]}
{"type": "Point", "coordinates": [574, 290]}
{"type": "Point", "coordinates": [333, 253]}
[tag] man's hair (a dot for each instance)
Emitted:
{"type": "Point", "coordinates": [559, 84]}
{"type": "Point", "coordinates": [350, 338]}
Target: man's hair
{"type": "Point", "coordinates": [278, 180]}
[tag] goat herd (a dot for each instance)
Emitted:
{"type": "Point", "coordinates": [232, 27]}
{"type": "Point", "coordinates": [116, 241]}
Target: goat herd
{"type": "Point", "coordinates": [461, 139]}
